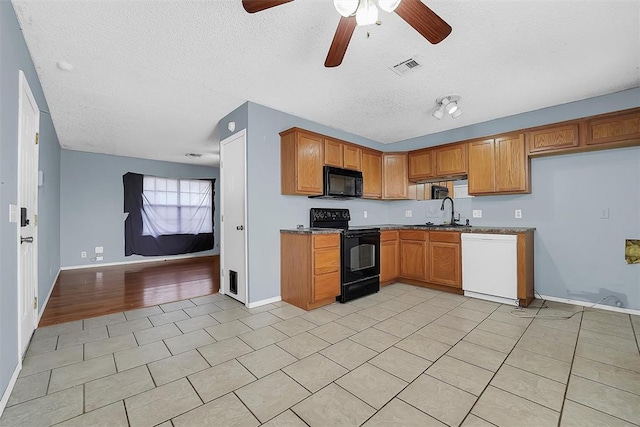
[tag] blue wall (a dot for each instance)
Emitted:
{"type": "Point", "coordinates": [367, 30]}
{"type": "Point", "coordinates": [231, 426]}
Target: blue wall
{"type": "Point", "coordinates": [14, 56]}
{"type": "Point", "coordinates": [577, 254]}
{"type": "Point", "coordinates": [92, 197]}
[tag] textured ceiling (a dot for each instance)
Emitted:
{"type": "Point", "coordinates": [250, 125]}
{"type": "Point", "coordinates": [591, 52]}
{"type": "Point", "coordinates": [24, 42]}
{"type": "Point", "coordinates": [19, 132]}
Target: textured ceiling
{"type": "Point", "coordinates": [152, 79]}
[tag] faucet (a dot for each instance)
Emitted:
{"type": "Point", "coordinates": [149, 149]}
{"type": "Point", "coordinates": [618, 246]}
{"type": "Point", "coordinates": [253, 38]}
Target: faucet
{"type": "Point", "coordinates": [453, 221]}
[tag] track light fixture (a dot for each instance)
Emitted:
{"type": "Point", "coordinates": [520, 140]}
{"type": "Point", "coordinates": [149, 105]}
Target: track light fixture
{"type": "Point", "coordinates": [447, 104]}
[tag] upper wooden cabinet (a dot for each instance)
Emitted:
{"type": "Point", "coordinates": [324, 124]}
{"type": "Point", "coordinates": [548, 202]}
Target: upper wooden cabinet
{"type": "Point", "coordinates": [553, 138]}
{"type": "Point", "coordinates": [341, 155]}
{"type": "Point", "coordinates": [451, 160]}
{"type": "Point", "coordinates": [395, 181]}
{"type": "Point", "coordinates": [302, 158]}
{"type": "Point", "coordinates": [352, 157]}
{"type": "Point", "coordinates": [613, 128]}
{"type": "Point", "coordinates": [372, 174]}
{"type": "Point", "coordinates": [499, 166]}
{"type": "Point", "coordinates": [422, 164]}
{"type": "Point", "coordinates": [333, 153]}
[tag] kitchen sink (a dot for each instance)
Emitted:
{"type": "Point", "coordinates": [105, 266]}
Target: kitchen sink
{"type": "Point", "coordinates": [440, 225]}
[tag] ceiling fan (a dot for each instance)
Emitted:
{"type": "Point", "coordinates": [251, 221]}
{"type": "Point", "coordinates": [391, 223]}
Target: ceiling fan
{"type": "Point", "coordinates": [364, 12]}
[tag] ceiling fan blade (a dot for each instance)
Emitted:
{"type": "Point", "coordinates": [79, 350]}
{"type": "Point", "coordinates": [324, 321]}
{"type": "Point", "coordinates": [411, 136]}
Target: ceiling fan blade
{"type": "Point", "coordinates": [340, 42]}
{"type": "Point", "coordinates": [423, 20]}
{"type": "Point", "coordinates": [253, 6]}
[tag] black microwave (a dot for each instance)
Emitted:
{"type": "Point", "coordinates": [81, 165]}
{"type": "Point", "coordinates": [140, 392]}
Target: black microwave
{"type": "Point", "coordinates": [341, 183]}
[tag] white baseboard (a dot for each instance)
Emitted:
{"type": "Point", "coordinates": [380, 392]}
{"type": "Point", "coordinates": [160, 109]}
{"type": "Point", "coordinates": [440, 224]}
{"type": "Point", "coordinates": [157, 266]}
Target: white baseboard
{"type": "Point", "coordinates": [264, 302]}
{"type": "Point", "coordinates": [43, 305]}
{"type": "Point", "coordinates": [135, 261]}
{"type": "Point", "coordinates": [589, 304]}
{"type": "Point", "coordinates": [7, 392]}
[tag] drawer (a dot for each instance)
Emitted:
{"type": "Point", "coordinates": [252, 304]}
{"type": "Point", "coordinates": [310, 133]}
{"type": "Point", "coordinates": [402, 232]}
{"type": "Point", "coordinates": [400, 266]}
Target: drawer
{"type": "Point", "coordinates": [326, 240]}
{"type": "Point", "coordinates": [326, 286]}
{"type": "Point", "coordinates": [385, 236]}
{"type": "Point", "coordinates": [413, 235]}
{"type": "Point", "coordinates": [444, 236]}
{"type": "Point", "coordinates": [326, 260]}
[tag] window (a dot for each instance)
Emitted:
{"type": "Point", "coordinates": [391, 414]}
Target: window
{"type": "Point", "coordinates": [176, 206]}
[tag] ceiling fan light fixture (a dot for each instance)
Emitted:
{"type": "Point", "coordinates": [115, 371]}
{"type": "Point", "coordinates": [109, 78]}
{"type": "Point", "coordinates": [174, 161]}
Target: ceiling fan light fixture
{"type": "Point", "coordinates": [346, 8]}
{"type": "Point", "coordinates": [388, 5]}
{"type": "Point", "coordinates": [367, 13]}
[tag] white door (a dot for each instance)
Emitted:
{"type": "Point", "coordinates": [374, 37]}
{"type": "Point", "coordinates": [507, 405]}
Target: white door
{"type": "Point", "coordinates": [233, 213]}
{"type": "Point", "coordinates": [28, 127]}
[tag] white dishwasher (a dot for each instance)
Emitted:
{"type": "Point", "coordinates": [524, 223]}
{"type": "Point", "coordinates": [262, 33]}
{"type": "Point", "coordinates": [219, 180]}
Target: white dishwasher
{"type": "Point", "coordinates": [489, 267]}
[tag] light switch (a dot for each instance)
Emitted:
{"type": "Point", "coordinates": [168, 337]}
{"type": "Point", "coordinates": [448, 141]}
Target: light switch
{"type": "Point", "coordinates": [99, 249]}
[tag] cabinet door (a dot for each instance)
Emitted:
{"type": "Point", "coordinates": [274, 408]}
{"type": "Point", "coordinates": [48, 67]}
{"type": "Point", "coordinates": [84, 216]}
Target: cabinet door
{"type": "Point", "coordinates": [326, 286]}
{"type": "Point", "coordinates": [613, 128]}
{"type": "Point", "coordinates": [482, 167]}
{"type": "Point", "coordinates": [553, 139]}
{"type": "Point", "coordinates": [512, 165]}
{"type": "Point", "coordinates": [333, 153]}
{"type": "Point", "coordinates": [352, 157]}
{"type": "Point", "coordinates": [422, 165]}
{"type": "Point", "coordinates": [412, 259]}
{"type": "Point", "coordinates": [309, 159]}
{"type": "Point", "coordinates": [389, 260]}
{"type": "Point", "coordinates": [451, 160]}
{"type": "Point", "coordinates": [445, 266]}
{"type": "Point", "coordinates": [372, 174]}
{"type": "Point", "coordinates": [395, 180]}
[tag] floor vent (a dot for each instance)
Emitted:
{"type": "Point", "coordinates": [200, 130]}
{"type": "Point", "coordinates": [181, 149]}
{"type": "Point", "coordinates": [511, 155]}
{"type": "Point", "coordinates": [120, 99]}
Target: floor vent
{"type": "Point", "coordinates": [405, 67]}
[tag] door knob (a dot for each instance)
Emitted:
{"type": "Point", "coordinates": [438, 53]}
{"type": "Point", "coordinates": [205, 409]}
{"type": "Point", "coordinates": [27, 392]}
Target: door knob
{"type": "Point", "coordinates": [240, 228]}
{"type": "Point", "coordinates": [26, 239]}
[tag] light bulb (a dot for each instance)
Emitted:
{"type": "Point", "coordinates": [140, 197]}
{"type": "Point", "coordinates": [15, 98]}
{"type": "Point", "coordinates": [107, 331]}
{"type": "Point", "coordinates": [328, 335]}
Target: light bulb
{"type": "Point", "coordinates": [456, 113]}
{"type": "Point", "coordinates": [346, 8]}
{"type": "Point", "coordinates": [367, 13]}
{"type": "Point", "coordinates": [388, 5]}
{"type": "Point", "coordinates": [451, 107]}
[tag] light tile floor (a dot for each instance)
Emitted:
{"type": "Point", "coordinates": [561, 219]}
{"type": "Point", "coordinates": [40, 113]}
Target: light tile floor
{"type": "Point", "coordinates": [404, 356]}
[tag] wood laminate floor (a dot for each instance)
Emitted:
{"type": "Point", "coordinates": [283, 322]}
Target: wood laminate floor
{"type": "Point", "coordinates": [90, 292]}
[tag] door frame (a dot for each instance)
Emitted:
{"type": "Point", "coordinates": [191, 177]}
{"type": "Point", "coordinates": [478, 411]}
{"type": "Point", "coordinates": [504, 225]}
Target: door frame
{"type": "Point", "coordinates": [23, 87]}
{"type": "Point", "coordinates": [241, 134]}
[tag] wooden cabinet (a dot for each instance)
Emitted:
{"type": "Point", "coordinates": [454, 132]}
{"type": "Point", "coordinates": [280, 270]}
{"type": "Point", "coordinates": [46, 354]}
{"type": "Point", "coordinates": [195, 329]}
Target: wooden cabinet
{"type": "Point", "coordinates": [413, 254]}
{"type": "Point", "coordinates": [553, 138]}
{"type": "Point", "coordinates": [617, 127]}
{"type": "Point", "coordinates": [302, 158]}
{"type": "Point", "coordinates": [341, 155]}
{"type": "Point", "coordinates": [372, 174]}
{"type": "Point", "coordinates": [333, 153]}
{"type": "Point", "coordinates": [451, 160]}
{"type": "Point", "coordinates": [422, 164]}
{"type": "Point", "coordinates": [499, 166]}
{"type": "Point", "coordinates": [389, 256]}
{"type": "Point", "coordinates": [395, 181]}
{"type": "Point", "coordinates": [445, 266]}
{"type": "Point", "coordinates": [309, 269]}
{"type": "Point", "coordinates": [352, 157]}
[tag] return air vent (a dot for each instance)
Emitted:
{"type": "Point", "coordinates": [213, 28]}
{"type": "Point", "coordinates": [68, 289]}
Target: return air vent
{"type": "Point", "coordinates": [405, 67]}
{"type": "Point", "coordinates": [193, 155]}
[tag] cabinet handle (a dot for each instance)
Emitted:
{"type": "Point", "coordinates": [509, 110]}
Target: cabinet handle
{"type": "Point", "coordinates": [240, 227]}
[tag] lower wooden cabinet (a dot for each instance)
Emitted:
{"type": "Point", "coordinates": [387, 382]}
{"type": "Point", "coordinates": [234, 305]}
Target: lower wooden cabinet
{"type": "Point", "coordinates": [413, 254]}
{"type": "Point", "coordinates": [389, 256]}
{"type": "Point", "coordinates": [309, 269]}
{"type": "Point", "coordinates": [445, 255]}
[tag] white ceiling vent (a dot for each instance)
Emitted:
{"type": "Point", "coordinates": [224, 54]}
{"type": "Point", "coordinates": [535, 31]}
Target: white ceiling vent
{"type": "Point", "coordinates": [405, 67]}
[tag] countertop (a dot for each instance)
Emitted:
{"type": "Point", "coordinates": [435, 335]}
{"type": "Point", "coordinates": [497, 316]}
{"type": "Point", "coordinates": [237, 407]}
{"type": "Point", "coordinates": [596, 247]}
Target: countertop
{"type": "Point", "coordinates": [383, 227]}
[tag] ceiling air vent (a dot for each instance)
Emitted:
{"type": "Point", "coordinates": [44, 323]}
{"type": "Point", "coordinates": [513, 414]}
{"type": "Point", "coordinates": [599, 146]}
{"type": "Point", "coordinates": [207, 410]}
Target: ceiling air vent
{"type": "Point", "coordinates": [405, 67]}
{"type": "Point", "coordinates": [193, 155]}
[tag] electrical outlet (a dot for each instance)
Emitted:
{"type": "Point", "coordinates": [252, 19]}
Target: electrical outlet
{"type": "Point", "coordinates": [408, 214]}
{"type": "Point", "coordinates": [477, 213]}
{"type": "Point", "coordinates": [365, 214]}
{"type": "Point", "coordinates": [518, 213]}
{"type": "Point", "coordinates": [99, 258]}
{"type": "Point", "coordinates": [83, 254]}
